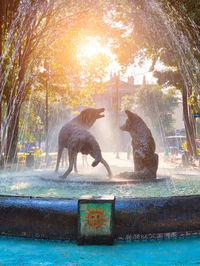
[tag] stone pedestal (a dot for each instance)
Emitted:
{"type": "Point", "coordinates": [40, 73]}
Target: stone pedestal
{"type": "Point", "coordinates": [96, 219]}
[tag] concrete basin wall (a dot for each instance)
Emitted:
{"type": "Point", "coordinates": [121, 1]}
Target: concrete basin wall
{"type": "Point", "coordinates": [54, 218]}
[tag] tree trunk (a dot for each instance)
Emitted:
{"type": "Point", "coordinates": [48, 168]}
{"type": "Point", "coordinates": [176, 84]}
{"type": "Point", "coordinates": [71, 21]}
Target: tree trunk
{"type": "Point", "coordinates": [12, 139]}
{"type": "Point", "coordinates": [0, 131]}
{"type": "Point", "coordinates": [189, 126]}
{"type": "Point", "coordinates": [13, 128]}
{"type": "Point", "coordinates": [12, 136]}
{"type": "Point", "coordinates": [1, 24]}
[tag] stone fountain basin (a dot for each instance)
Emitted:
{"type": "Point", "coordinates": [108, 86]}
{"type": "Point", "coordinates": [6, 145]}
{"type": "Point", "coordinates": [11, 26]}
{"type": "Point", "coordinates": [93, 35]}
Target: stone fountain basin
{"type": "Point", "coordinates": [101, 180]}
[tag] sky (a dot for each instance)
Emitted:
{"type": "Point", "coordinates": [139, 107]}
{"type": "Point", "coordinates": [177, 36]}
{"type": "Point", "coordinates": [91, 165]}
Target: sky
{"type": "Point", "coordinates": [138, 72]}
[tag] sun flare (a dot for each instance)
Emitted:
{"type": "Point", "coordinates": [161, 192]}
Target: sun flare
{"type": "Point", "coordinates": [91, 48]}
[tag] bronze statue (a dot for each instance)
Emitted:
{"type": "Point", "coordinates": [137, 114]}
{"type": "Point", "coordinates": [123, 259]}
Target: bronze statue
{"type": "Point", "coordinates": [75, 137]}
{"type": "Point", "coordinates": [143, 144]}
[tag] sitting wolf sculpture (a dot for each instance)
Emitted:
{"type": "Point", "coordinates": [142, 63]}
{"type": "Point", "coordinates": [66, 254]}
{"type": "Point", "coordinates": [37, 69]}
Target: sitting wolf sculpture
{"type": "Point", "coordinates": [143, 144]}
{"type": "Point", "coordinates": [75, 137]}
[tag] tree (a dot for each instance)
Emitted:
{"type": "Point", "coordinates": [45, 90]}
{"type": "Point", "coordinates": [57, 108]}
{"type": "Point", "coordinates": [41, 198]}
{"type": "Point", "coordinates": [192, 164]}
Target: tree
{"type": "Point", "coordinates": [28, 41]}
{"type": "Point", "coordinates": [165, 31]}
{"type": "Point", "coordinates": [157, 112]}
{"type": "Point", "coordinates": [159, 30]}
{"type": "Point", "coordinates": [20, 38]}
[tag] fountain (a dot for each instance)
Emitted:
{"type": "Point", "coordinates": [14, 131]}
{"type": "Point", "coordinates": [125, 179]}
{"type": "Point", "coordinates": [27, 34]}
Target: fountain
{"type": "Point", "coordinates": [46, 206]}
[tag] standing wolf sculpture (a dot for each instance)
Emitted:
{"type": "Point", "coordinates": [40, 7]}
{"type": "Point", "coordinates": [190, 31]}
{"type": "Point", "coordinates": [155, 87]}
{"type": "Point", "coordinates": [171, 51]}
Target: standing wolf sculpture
{"type": "Point", "coordinates": [75, 137]}
{"type": "Point", "coordinates": [143, 144]}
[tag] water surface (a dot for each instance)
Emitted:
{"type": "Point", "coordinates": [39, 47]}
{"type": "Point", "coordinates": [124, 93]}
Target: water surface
{"type": "Point", "coordinates": [45, 183]}
{"type": "Point", "coordinates": [19, 251]}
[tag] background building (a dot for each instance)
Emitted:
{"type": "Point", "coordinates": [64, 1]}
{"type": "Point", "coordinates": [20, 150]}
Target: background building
{"type": "Point", "coordinates": [111, 99]}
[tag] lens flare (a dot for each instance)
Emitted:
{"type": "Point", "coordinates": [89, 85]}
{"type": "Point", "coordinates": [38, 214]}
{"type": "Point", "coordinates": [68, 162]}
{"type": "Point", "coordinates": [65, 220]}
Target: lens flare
{"type": "Point", "coordinates": [91, 48]}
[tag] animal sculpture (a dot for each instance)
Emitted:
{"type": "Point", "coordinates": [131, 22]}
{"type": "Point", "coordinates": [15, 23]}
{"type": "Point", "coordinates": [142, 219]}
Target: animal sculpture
{"type": "Point", "coordinates": [143, 144]}
{"type": "Point", "coordinates": [75, 137]}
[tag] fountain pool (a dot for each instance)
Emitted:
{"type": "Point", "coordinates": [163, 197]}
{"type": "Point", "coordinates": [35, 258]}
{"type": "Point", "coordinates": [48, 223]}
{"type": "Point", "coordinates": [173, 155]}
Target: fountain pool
{"type": "Point", "coordinates": [143, 210]}
{"type": "Point", "coordinates": [45, 183]}
{"type": "Point", "coordinates": [19, 251]}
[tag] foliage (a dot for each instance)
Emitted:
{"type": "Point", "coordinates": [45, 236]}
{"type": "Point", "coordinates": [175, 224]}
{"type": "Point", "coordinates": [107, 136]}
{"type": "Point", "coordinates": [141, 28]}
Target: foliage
{"type": "Point", "coordinates": [127, 102]}
{"type": "Point", "coordinates": [38, 31]}
{"type": "Point", "coordinates": [33, 117]}
{"type": "Point", "coordinates": [184, 146]}
{"type": "Point", "coordinates": [167, 32]}
{"type": "Point", "coordinates": [35, 32]}
{"type": "Point", "coordinates": [194, 98]}
{"type": "Point", "coordinates": [30, 124]}
{"type": "Point", "coordinates": [154, 105]}
{"type": "Point", "coordinates": [38, 153]}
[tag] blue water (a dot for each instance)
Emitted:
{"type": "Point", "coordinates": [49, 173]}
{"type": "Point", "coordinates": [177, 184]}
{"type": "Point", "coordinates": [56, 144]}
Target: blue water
{"type": "Point", "coordinates": [31, 183]}
{"type": "Point", "coordinates": [45, 183]}
{"type": "Point", "coordinates": [19, 251]}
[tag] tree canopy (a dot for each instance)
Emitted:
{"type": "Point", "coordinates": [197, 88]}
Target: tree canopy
{"type": "Point", "coordinates": [40, 42]}
{"type": "Point", "coordinates": [158, 111]}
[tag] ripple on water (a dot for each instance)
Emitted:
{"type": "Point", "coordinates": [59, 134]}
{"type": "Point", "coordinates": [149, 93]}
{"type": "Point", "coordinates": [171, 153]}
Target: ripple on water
{"type": "Point", "coordinates": [31, 184]}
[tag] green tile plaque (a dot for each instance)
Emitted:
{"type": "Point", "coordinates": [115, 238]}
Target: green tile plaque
{"type": "Point", "coordinates": [96, 219]}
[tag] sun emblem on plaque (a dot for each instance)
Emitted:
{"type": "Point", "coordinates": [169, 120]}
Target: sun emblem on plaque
{"type": "Point", "coordinates": [96, 219]}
